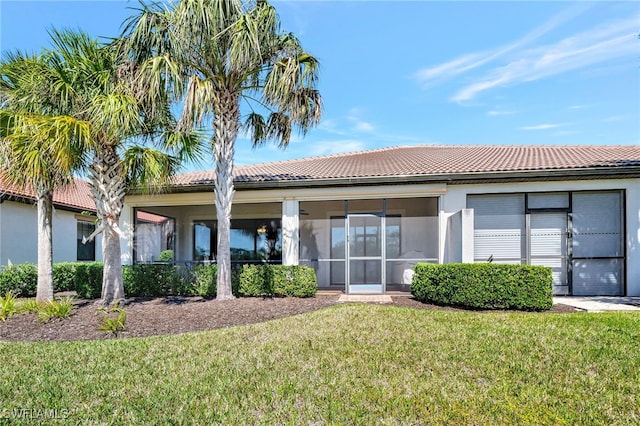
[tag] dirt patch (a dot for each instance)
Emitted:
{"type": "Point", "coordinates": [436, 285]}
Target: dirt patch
{"type": "Point", "coordinates": [173, 315]}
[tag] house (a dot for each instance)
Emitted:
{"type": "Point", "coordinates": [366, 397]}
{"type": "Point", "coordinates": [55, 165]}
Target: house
{"type": "Point", "coordinates": [73, 218]}
{"type": "Point", "coordinates": [363, 219]}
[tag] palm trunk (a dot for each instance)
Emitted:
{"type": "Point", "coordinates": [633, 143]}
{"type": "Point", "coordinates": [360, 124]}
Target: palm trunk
{"type": "Point", "coordinates": [226, 125]}
{"type": "Point", "coordinates": [44, 292]}
{"type": "Point", "coordinates": [108, 187]}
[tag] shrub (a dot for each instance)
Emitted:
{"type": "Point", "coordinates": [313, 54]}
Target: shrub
{"type": "Point", "coordinates": [152, 280]}
{"type": "Point", "coordinates": [166, 256]}
{"type": "Point", "coordinates": [277, 280]}
{"type": "Point", "coordinates": [484, 285]}
{"type": "Point", "coordinates": [204, 280]}
{"type": "Point", "coordinates": [21, 280]}
{"type": "Point", "coordinates": [88, 279]}
{"type": "Point", "coordinates": [64, 274]}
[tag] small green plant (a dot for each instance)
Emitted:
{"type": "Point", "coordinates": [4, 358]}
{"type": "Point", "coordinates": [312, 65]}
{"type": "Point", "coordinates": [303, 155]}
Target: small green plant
{"type": "Point", "coordinates": [114, 319]}
{"type": "Point", "coordinates": [166, 256]}
{"type": "Point", "coordinates": [29, 306]}
{"type": "Point", "coordinates": [7, 305]}
{"type": "Point", "coordinates": [55, 309]}
{"type": "Point", "coordinates": [204, 280]}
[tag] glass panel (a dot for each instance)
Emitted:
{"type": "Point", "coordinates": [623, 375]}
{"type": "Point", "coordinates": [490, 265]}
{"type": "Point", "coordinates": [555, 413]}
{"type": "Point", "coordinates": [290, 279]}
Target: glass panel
{"type": "Point", "coordinates": [411, 237]}
{"type": "Point", "coordinates": [597, 277]}
{"type": "Point", "coordinates": [337, 238]}
{"type": "Point", "coordinates": [256, 239]}
{"type": "Point", "coordinates": [365, 234]}
{"type": "Point", "coordinates": [365, 206]}
{"type": "Point", "coordinates": [252, 240]}
{"type": "Point", "coordinates": [154, 234]}
{"type": "Point", "coordinates": [337, 272]}
{"type": "Point", "coordinates": [365, 272]}
{"type": "Point", "coordinates": [86, 251]}
{"type": "Point", "coordinates": [548, 200]}
{"type": "Point", "coordinates": [392, 237]}
{"type": "Point", "coordinates": [597, 224]}
{"type": "Point", "coordinates": [203, 235]}
{"type": "Point", "coordinates": [322, 240]}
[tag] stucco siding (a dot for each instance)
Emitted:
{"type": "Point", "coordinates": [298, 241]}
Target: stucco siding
{"type": "Point", "coordinates": [19, 238]}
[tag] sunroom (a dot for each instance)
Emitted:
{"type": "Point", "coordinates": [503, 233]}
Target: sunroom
{"type": "Point", "coordinates": [354, 245]}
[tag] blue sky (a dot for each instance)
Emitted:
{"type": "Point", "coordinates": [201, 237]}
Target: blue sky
{"type": "Point", "coordinates": [426, 72]}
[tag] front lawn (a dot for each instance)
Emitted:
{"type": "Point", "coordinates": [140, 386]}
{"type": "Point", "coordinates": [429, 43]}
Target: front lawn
{"type": "Point", "coordinates": [355, 364]}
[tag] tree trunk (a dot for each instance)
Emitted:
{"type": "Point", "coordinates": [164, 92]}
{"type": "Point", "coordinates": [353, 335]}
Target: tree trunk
{"type": "Point", "coordinates": [44, 292]}
{"type": "Point", "coordinates": [108, 187]}
{"type": "Point", "coordinates": [226, 125]}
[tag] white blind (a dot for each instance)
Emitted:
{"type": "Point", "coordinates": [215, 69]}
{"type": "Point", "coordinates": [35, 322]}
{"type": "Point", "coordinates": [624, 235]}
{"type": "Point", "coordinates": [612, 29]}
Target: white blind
{"type": "Point", "coordinates": [548, 243]}
{"type": "Point", "coordinates": [597, 227]}
{"type": "Point", "coordinates": [499, 227]}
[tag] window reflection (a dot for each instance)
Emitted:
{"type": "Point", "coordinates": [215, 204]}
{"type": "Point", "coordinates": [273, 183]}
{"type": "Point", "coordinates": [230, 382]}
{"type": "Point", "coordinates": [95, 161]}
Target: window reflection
{"type": "Point", "coordinates": [251, 240]}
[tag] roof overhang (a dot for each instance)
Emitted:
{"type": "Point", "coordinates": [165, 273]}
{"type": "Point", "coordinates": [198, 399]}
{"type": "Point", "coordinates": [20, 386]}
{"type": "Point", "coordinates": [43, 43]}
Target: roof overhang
{"type": "Point", "coordinates": [448, 178]}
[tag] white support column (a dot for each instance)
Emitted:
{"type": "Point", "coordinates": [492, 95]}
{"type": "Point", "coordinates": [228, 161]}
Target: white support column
{"type": "Point", "coordinates": [126, 240]}
{"type": "Point", "coordinates": [443, 236]}
{"type": "Point", "coordinates": [467, 235]}
{"type": "Point", "coordinates": [290, 232]}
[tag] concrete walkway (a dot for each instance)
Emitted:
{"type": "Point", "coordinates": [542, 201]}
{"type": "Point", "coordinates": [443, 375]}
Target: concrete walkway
{"type": "Point", "coordinates": [600, 303]}
{"type": "Point", "coordinates": [365, 298]}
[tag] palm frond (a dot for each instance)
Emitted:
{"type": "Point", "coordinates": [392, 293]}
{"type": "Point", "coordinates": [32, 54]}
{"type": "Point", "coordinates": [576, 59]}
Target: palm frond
{"type": "Point", "coordinates": [149, 169]}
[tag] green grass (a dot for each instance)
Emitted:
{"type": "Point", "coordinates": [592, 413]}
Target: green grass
{"type": "Point", "coordinates": [353, 364]}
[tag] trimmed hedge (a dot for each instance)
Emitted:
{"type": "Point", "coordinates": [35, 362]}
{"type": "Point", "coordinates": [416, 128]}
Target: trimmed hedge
{"type": "Point", "coordinates": [151, 280]}
{"type": "Point", "coordinates": [88, 279]}
{"type": "Point", "coordinates": [21, 280]}
{"type": "Point", "coordinates": [484, 285]}
{"type": "Point", "coordinates": [278, 280]}
{"type": "Point", "coordinates": [64, 275]}
{"type": "Point", "coordinates": [157, 280]}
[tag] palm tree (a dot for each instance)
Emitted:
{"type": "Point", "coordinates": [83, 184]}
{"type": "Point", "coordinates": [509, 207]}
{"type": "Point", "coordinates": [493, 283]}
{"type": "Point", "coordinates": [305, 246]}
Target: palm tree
{"type": "Point", "coordinates": [213, 55]}
{"type": "Point", "coordinates": [92, 84]}
{"type": "Point", "coordinates": [39, 149]}
{"type": "Point", "coordinates": [127, 128]}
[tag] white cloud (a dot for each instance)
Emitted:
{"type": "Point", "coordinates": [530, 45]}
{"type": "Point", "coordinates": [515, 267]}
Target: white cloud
{"type": "Point", "coordinates": [497, 112]}
{"type": "Point", "coordinates": [606, 42]}
{"type": "Point", "coordinates": [359, 125]}
{"type": "Point", "coordinates": [363, 126]}
{"type": "Point", "coordinates": [614, 118]}
{"type": "Point", "coordinates": [337, 146]}
{"type": "Point", "coordinates": [577, 106]}
{"type": "Point", "coordinates": [428, 77]}
{"type": "Point", "coordinates": [544, 126]}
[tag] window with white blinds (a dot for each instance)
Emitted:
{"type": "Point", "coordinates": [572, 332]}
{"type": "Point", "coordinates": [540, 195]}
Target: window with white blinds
{"type": "Point", "coordinates": [499, 228]}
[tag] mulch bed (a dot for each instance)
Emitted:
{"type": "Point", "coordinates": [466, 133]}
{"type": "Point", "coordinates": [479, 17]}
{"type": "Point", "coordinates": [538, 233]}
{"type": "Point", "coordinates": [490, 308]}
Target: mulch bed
{"type": "Point", "coordinates": [173, 315]}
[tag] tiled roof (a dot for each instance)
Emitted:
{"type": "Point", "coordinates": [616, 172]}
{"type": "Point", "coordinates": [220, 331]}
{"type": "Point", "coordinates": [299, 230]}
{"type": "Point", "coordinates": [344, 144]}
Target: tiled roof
{"type": "Point", "coordinates": [150, 217]}
{"type": "Point", "coordinates": [76, 195]}
{"type": "Point", "coordinates": [430, 160]}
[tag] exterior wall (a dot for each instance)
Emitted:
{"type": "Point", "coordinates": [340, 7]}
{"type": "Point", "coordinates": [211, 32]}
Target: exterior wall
{"type": "Point", "coordinates": [456, 199]}
{"type": "Point", "coordinates": [19, 238]}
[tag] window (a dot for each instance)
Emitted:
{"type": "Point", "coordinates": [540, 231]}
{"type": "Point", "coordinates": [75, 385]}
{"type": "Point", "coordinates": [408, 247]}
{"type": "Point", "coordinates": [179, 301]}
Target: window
{"type": "Point", "coordinates": [87, 251]}
{"type": "Point", "coordinates": [251, 240]}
